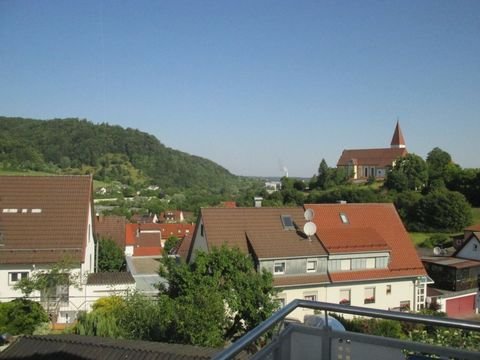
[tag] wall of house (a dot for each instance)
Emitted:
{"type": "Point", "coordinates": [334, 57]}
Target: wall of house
{"type": "Point", "coordinates": [200, 241]}
{"type": "Point", "coordinates": [400, 290]}
{"type": "Point", "coordinates": [471, 250]}
{"type": "Point", "coordinates": [359, 261]}
{"type": "Point", "coordinates": [296, 266]}
{"type": "Point", "coordinates": [88, 265]}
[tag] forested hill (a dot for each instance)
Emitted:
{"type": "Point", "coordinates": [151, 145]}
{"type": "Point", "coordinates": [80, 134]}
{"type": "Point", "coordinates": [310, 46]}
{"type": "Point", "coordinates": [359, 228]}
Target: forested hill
{"type": "Point", "coordinates": [110, 152]}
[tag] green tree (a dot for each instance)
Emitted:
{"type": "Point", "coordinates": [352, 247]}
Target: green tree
{"type": "Point", "coordinates": [444, 211]}
{"type": "Point", "coordinates": [110, 256]}
{"type": "Point", "coordinates": [409, 173]}
{"type": "Point", "coordinates": [21, 316]}
{"type": "Point", "coordinates": [171, 243]}
{"type": "Point", "coordinates": [223, 281]}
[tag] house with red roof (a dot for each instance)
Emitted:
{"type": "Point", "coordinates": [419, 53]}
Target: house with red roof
{"type": "Point", "coordinates": [365, 163]}
{"type": "Point", "coordinates": [356, 254]}
{"type": "Point", "coordinates": [45, 220]}
{"type": "Point", "coordinates": [457, 277]}
{"type": "Point", "coordinates": [143, 240]}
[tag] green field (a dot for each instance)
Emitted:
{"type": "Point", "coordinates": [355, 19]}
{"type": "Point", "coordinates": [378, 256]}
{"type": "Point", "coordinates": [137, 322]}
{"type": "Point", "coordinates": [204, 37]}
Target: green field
{"type": "Point", "coordinates": [419, 237]}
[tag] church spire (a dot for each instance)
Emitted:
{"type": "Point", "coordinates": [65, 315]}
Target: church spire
{"type": "Point", "coordinates": [398, 142]}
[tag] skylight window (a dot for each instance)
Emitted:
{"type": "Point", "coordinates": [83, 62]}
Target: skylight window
{"type": "Point", "coordinates": [287, 222]}
{"type": "Point", "coordinates": [36, 211]}
{"type": "Point", "coordinates": [344, 218]}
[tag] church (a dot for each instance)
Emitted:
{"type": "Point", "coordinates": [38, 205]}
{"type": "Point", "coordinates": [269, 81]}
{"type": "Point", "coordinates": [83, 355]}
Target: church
{"type": "Point", "coordinates": [365, 163]}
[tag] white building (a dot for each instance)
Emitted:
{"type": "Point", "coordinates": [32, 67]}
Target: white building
{"type": "Point", "coordinates": [44, 221]}
{"type": "Point", "coordinates": [360, 254]}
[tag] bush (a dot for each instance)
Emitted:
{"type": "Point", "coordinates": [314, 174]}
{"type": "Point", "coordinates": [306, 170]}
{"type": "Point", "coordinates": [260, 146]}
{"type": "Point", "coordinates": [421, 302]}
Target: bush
{"type": "Point", "coordinates": [440, 240]}
{"type": "Point", "coordinates": [21, 316]}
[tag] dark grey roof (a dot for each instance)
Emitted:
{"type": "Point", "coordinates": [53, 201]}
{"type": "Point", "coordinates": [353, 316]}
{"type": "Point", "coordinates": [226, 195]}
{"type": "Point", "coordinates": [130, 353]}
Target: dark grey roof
{"type": "Point", "coordinates": [77, 347]}
{"type": "Point", "coordinates": [110, 278]}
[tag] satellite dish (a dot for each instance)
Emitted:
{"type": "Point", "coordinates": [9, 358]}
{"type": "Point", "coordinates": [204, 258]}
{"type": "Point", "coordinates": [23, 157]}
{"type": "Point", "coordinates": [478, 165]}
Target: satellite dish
{"type": "Point", "coordinates": [437, 251]}
{"type": "Point", "coordinates": [309, 214]}
{"type": "Point", "coordinates": [309, 228]}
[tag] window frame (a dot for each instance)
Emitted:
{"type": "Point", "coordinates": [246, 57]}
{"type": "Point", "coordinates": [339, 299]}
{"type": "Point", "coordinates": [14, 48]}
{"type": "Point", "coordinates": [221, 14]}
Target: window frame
{"type": "Point", "coordinates": [19, 274]}
{"type": "Point", "coordinates": [344, 261]}
{"type": "Point", "coordinates": [369, 299]}
{"type": "Point", "coordinates": [345, 300]}
{"type": "Point", "coordinates": [315, 262]}
{"type": "Point", "coordinates": [275, 263]}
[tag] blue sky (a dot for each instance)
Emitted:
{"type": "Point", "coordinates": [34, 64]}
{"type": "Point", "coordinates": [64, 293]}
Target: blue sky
{"type": "Point", "coordinates": [252, 85]}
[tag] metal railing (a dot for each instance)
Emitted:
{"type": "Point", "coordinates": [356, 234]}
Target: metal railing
{"type": "Point", "coordinates": [255, 334]}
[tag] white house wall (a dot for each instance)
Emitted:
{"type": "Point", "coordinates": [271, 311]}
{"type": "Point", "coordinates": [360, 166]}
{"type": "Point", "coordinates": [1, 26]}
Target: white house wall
{"type": "Point", "coordinates": [200, 241]}
{"type": "Point", "coordinates": [471, 250]}
{"type": "Point", "coordinates": [401, 290]}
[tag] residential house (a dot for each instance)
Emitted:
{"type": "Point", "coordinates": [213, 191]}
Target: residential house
{"type": "Point", "coordinates": [365, 163]}
{"type": "Point", "coordinates": [177, 230]}
{"type": "Point", "coordinates": [468, 232]}
{"type": "Point", "coordinates": [457, 279]}
{"type": "Point", "coordinates": [45, 220]}
{"type": "Point", "coordinates": [174, 216]}
{"type": "Point", "coordinates": [143, 240]}
{"type": "Point", "coordinates": [360, 254]}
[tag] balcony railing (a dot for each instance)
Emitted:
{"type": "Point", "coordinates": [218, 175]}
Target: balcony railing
{"type": "Point", "coordinates": [302, 342]}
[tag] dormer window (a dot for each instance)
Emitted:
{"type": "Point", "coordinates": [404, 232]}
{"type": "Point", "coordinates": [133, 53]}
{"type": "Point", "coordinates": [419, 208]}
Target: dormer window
{"type": "Point", "coordinates": [287, 222]}
{"type": "Point", "coordinates": [279, 268]}
{"type": "Point", "coordinates": [344, 218]}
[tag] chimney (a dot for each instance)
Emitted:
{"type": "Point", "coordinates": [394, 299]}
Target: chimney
{"type": "Point", "coordinates": [258, 201]}
{"type": "Point", "coordinates": [341, 202]}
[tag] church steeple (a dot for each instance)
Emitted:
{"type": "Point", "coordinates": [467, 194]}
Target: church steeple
{"type": "Point", "coordinates": [398, 142]}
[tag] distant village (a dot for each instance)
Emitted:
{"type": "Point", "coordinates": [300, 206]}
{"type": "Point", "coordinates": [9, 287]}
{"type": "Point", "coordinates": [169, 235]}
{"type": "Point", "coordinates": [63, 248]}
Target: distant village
{"type": "Point", "coordinates": [356, 254]}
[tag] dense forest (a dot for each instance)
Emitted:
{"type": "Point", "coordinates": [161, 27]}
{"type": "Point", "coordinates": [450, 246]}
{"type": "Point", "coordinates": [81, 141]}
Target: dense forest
{"type": "Point", "coordinates": [108, 152]}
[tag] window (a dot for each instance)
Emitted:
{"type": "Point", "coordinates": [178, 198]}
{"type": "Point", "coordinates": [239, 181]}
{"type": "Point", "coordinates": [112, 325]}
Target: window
{"type": "Point", "coordinates": [287, 222]}
{"type": "Point", "coordinates": [475, 247]}
{"type": "Point", "coordinates": [201, 230]}
{"type": "Point", "coordinates": [372, 171]}
{"type": "Point", "coordinates": [345, 264]}
{"type": "Point", "coordinates": [311, 297]}
{"type": "Point", "coordinates": [14, 277]}
{"type": "Point", "coordinates": [389, 289]}
{"type": "Point", "coordinates": [311, 265]}
{"type": "Point", "coordinates": [344, 218]}
{"type": "Point", "coordinates": [370, 264]}
{"type": "Point", "coordinates": [344, 297]}
{"type": "Point", "coordinates": [279, 267]}
{"type": "Point", "coordinates": [369, 295]}
{"type": "Point", "coordinates": [366, 171]}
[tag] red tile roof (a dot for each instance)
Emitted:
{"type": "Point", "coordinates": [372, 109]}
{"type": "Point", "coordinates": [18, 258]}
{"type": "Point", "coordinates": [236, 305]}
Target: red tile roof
{"type": "Point", "coordinates": [397, 138]}
{"type": "Point", "coordinates": [473, 228]}
{"type": "Point", "coordinates": [351, 239]}
{"type": "Point", "coordinates": [146, 239]}
{"type": "Point", "coordinates": [404, 260]}
{"type": "Point", "coordinates": [111, 227]}
{"type": "Point", "coordinates": [43, 219]}
{"type": "Point", "coordinates": [184, 246]}
{"type": "Point", "coordinates": [178, 230]}
{"type": "Point", "coordinates": [263, 228]}
{"type": "Point", "coordinates": [372, 157]}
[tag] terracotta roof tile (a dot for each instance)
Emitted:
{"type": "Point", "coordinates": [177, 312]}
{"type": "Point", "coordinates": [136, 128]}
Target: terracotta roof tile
{"type": "Point", "coordinates": [111, 227]}
{"type": "Point", "coordinates": [178, 230]}
{"type": "Point", "coordinates": [397, 138]}
{"type": "Point", "coordinates": [51, 218]}
{"type": "Point", "coordinates": [351, 239]}
{"type": "Point", "coordinates": [387, 224]}
{"type": "Point", "coordinates": [184, 246]}
{"type": "Point", "coordinates": [372, 157]}
{"type": "Point", "coordinates": [262, 227]}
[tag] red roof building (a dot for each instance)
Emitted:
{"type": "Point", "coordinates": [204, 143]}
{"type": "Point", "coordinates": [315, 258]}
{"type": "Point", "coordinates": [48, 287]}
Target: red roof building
{"type": "Point", "coordinates": [365, 163]}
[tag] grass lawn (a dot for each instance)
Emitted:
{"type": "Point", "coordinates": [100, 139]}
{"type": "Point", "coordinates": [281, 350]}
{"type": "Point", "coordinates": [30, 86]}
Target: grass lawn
{"type": "Point", "coordinates": [476, 216]}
